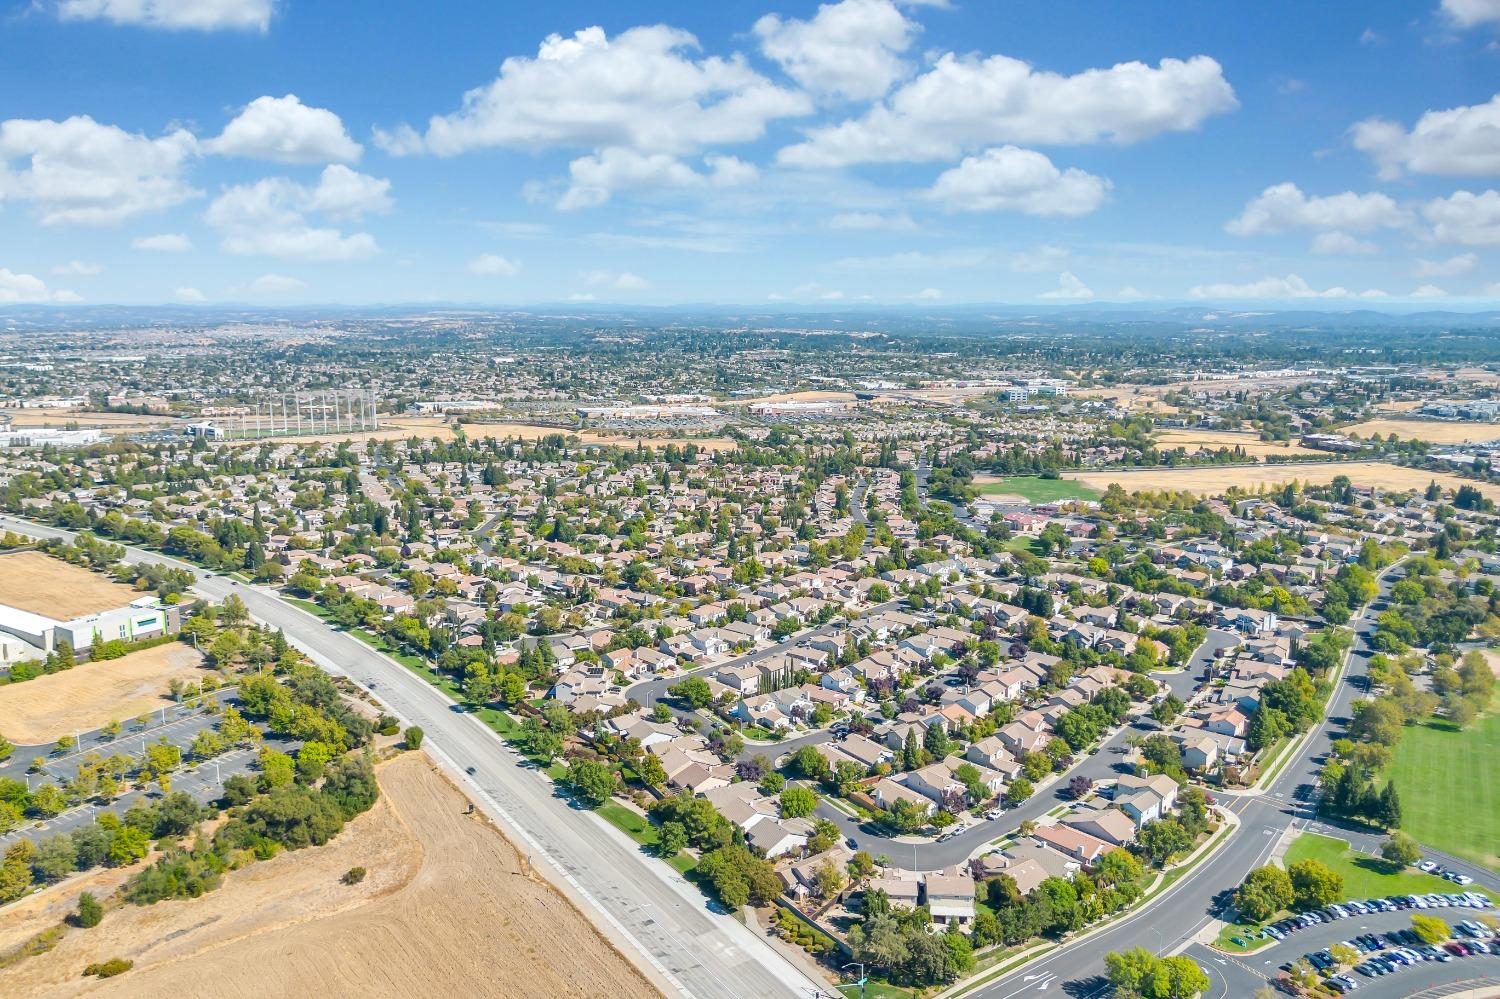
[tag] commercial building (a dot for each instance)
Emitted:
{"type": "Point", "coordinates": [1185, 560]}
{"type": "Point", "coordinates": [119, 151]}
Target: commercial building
{"type": "Point", "coordinates": [143, 618]}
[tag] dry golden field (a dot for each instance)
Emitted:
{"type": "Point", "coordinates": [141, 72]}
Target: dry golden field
{"type": "Point", "coordinates": [445, 909]}
{"type": "Point", "coordinates": [41, 584]}
{"type": "Point", "coordinates": [1215, 439]}
{"type": "Point", "coordinates": [1210, 481]}
{"type": "Point", "coordinates": [88, 696]}
{"type": "Point", "coordinates": [1432, 431]}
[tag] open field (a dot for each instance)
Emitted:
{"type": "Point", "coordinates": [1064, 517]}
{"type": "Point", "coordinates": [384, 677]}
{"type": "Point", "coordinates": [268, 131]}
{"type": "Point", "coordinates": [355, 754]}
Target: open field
{"type": "Point", "coordinates": [1253, 446]}
{"type": "Point", "coordinates": [1033, 488]}
{"type": "Point", "coordinates": [88, 696]}
{"type": "Point", "coordinates": [445, 909]}
{"type": "Point", "coordinates": [121, 423]}
{"type": "Point", "coordinates": [1450, 787]}
{"type": "Point", "coordinates": [1364, 876]}
{"type": "Point", "coordinates": [426, 428]}
{"type": "Point", "coordinates": [1137, 399]}
{"type": "Point", "coordinates": [1432, 431]}
{"type": "Point", "coordinates": [532, 432]}
{"type": "Point", "coordinates": [41, 584]}
{"type": "Point", "coordinates": [1210, 480]}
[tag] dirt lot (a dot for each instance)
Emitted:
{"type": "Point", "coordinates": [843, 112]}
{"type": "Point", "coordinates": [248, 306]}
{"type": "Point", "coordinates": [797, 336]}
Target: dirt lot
{"type": "Point", "coordinates": [1211, 481]}
{"type": "Point", "coordinates": [1132, 397]}
{"type": "Point", "coordinates": [444, 910]}
{"type": "Point", "coordinates": [41, 584]}
{"type": "Point", "coordinates": [1215, 439]}
{"type": "Point", "coordinates": [1433, 431]}
{"type": "Point", "coordinates": [809, 396]}
{"type": "Point", "coordinates": [88, 696]}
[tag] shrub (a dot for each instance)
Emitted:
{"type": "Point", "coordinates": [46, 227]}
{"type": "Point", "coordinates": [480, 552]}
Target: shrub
{"type": "Point", "coordinates": [109, 969]}
{"type": "Point", "coordinates": [414, 737]}
{"type": "Point", "coordinates": [90, 912]}
{"type": "Point", "coordinates": [353, 876]}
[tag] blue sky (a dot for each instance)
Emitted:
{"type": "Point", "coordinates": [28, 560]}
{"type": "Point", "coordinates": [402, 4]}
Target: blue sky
{"type": "Point", "coordinates": [283, 151]}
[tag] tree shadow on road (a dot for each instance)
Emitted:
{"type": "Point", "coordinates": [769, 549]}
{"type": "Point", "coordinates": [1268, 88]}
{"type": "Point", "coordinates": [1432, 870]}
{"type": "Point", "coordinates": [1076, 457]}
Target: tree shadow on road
{"type": "Point", "coordinates": [1086, 988]}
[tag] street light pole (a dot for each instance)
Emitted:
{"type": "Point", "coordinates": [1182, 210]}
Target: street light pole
{"type": "Point", "coordinates": [861, 966]}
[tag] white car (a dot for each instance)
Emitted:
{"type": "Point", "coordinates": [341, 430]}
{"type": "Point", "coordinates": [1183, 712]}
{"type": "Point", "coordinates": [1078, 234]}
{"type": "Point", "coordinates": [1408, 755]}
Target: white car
{"type": "Point", "coordinates": [1427, 866]}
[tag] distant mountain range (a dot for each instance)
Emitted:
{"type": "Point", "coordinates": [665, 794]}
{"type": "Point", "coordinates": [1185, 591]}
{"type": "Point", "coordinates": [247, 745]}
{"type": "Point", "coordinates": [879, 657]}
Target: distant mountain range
{"type": "Point", "coordinates": [1096, 316]}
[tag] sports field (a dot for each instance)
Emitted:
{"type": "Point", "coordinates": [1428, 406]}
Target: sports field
{"type": "Point", "coordinates": [1449, 782]}
{"type": "Point", "coordinates": [41, 584]}
{"type": "Point", "coordinates": [1034, 488]}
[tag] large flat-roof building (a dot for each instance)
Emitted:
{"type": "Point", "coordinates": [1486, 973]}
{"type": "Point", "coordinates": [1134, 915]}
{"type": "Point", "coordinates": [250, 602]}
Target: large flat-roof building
{"type": "Point", "coordinates": [143, 618]}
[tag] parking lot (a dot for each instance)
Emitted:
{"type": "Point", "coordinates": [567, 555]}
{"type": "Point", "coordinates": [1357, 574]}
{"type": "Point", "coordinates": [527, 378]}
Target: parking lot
{"type": "Point", "coordinates": [1387, 954]}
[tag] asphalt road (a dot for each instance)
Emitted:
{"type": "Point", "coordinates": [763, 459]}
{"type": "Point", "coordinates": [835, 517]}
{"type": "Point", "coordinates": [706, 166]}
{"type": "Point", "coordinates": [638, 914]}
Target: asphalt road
{"type": "Point", "coordinates": [644, 904]}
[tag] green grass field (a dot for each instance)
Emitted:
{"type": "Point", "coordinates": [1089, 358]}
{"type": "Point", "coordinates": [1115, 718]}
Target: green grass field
{"type": "Point", "coordinates": [1039, 490]}
{"type": "Point", "coordinates": [640, 829]}
{"type": "Point", "coordinates": [1364, 876]}
{"type": "Point", "coordinates": [1449, 783]}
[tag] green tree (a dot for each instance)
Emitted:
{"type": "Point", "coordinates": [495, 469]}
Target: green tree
{"type": "Point", "coordinates": [89, 913]}
{"type": "Point", "coordinates": [1400, 849]}
{"type": "Point", "coordinates": [1431, 929]}
{"type": "Point", "coordinates": [1264, 892]}
{"type": "Point", "coordinates": [413, 737]}
{"type": "Point", "coordinates": [797, 802]}
{"type": "Point", "coordinates": [1315, 884]}
{"type": "Point", "coordinates": [593, 782]}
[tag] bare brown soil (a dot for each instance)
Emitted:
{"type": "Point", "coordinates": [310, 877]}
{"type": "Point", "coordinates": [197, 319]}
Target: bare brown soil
{"type": "Point", "coordinates": [41, 584]}
{"type": "Point", "coordinates": [86, 697]}
{"type": "Point", "coordinates": [445, 910]}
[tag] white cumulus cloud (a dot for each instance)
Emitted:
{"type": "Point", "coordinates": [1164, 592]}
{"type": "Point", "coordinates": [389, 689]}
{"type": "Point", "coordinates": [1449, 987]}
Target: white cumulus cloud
{"type": "Point", "coordinates": [494, 265]}
{"type": "Point", "coordinates": [964, 103]}
{"type": "Point", "coordinates": [78, 171]}
{"type": "Point", "coordinates": [594, 179]}
{"type": "Point", "coordinates": [201, 15]}
{"type": "Point", "coordinates": [1283, 206]}
{"type": "Point", "coordinates": [269, 217]}
{"type": "Point", "coordinates": [284, 130]}
{"type": "Point", "coordinates": [271, 286]}
{"type": "Point", "coordinates": [1468, 13]}
{"type": "Point", "coordinates": [618, 280]}
{"type": "Point", "coordinates": [16, 287]}
{"type": "Point", "coordinates": [852, 49]}
{"type": "Point", "coordinates": [188, 294]}
{"type": "Point", "coordinates": [1069, 287]}
{"type": "Point", "coordinates": [1429, 291]}
{"type": "Point", "coordinates": [1461, 141]}
{"type": "Point", "coordinates": [1341, 244]}
{"type": "Point", "coordinates": [1465, 218]}
{"type": "Point", "coordinates": [641, 90]}
{"type": "Point", "coordinates": [1018, 180]}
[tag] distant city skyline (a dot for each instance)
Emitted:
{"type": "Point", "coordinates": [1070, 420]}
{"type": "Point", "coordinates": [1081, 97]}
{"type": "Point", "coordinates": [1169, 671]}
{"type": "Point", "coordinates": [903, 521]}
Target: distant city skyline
{"type": "Point", "coordinates": [866, 152]}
